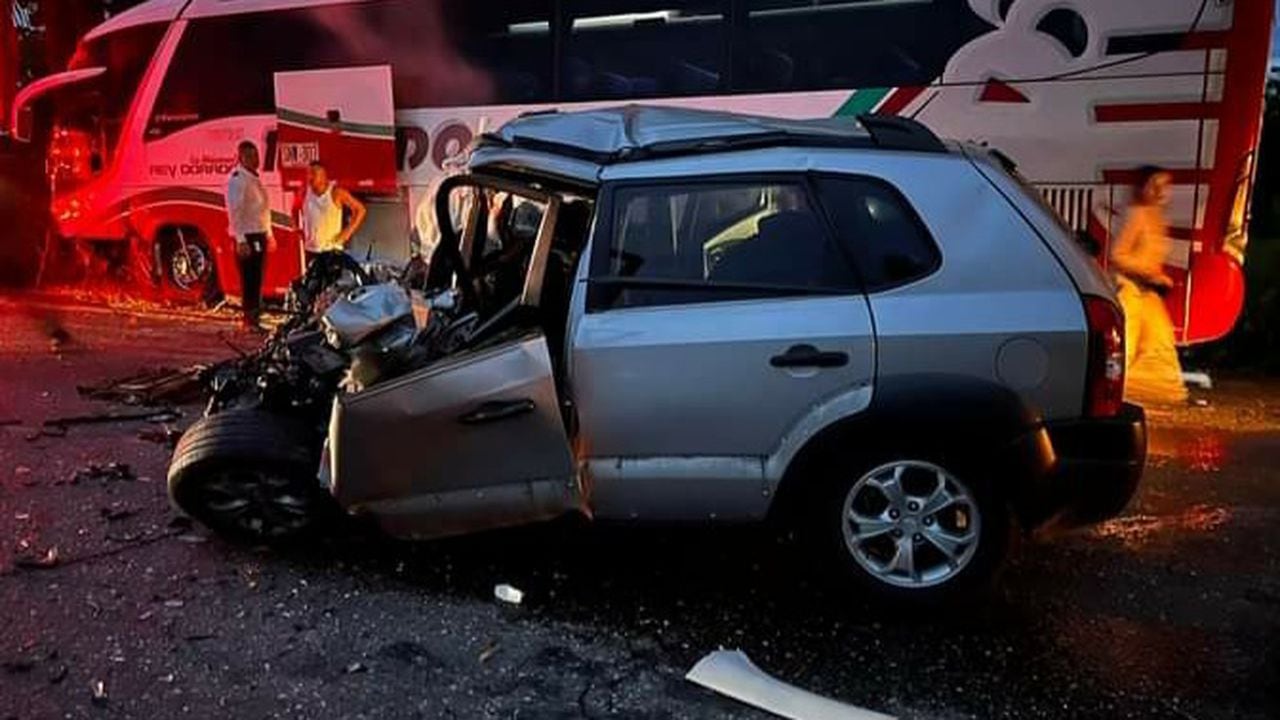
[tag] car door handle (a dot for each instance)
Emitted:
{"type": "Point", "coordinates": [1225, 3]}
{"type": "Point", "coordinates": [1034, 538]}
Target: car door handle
{"type": "Point", "coordinates": [808, 356]}
{"type": "Point", "coordinates": [496, 410]}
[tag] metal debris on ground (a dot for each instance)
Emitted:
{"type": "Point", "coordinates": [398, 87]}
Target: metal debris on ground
{"type": "Point", "coordinates": [117, 512]}
{"type": "Point", "coordinates": [731, 673]}
{"type": "Point", "coordinates": [356, 667]}
{"type": "Point", "coordinates": [105, 472]}
{"type": "Point", "coordinates": [38, 561]}
{"type": "Point", "coordinates": [162, 386]}
{"type": "Point", "coordinates": [163, 435]}
{"type": "Point", "coordinates": [508, 594]}
{"type": "Point", "coordinates": [19, 666]}
{"type": "Point", "coordinates": [152, 416]}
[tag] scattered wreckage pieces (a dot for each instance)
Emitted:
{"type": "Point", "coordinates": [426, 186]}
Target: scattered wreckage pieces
{"type": "Point", "coordinates": [104, 472]}
{"type": "Point", "coordinates": [731, 673]}
{"type": "Point", "coordinates": [162, 386]}
{"type": "Point", "coordinates": [57, 427]}
{"type": "Point", "coordinates": [38, 560]}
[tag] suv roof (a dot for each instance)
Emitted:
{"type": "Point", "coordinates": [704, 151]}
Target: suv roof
{"type": "Point", "coordinates": [641, 132]}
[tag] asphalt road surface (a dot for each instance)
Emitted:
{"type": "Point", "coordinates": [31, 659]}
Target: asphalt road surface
{"type": "Point", "coordinates": [1171, 611]}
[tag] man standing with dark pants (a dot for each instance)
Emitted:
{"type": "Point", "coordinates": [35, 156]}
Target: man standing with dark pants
{"type": "Point", "coordinates": [249, 212]}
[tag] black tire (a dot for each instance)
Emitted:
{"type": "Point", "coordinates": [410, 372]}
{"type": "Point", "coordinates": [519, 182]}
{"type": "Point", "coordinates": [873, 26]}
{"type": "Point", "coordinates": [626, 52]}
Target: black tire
{"type": "Point", "coordinates": [978, 568]}
{"type": "Point", "coordinates": [251, 477]}
{"type": "Point", "coordinates": [186, 264]}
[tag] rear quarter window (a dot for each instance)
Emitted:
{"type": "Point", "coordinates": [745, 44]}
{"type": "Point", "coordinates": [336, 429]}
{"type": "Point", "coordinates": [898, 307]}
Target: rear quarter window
{"type": "Point", "coordinates": [880, 230]}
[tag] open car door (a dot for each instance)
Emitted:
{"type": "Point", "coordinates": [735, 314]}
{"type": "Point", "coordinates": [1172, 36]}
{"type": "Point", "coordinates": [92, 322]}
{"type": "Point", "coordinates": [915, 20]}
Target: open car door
{"type": "Point", "coordinates": [476, 440]}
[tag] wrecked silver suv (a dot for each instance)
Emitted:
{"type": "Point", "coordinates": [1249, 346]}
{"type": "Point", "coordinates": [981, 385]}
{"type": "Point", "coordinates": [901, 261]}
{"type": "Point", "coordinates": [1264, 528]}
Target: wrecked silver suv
{"type": "Point", "coordinates": [720, 318]}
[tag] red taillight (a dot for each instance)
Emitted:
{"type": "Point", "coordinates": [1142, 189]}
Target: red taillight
{"type": "Point", "coordinates": [1104, 381]}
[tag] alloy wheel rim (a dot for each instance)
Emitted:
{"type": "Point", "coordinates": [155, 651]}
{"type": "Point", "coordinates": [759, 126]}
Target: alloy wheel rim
{"type": "Point", "coordinates": [189, 266]}
{"type": "Point", "coordinates": [261, 504]}
{"type": "Point", "coordinates": [911, 524]}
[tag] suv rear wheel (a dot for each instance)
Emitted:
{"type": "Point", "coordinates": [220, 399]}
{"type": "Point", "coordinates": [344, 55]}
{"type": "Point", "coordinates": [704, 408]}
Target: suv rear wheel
{"type": "Point", "coordinates": [913, 529]}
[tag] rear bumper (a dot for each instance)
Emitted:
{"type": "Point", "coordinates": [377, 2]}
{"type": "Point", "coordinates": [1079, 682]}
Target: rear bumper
{"type": "Point", "coordinates": [1097, 466]}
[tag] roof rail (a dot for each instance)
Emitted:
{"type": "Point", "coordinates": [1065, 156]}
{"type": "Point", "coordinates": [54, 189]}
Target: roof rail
{"type": "Point", "coordinates": [899, 133]}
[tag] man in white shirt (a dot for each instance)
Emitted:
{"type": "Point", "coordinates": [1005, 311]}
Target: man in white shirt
{"type": "Point", "coordinates": [249, 213]}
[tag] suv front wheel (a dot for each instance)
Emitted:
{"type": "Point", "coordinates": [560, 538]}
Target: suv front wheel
{"type": "Point", "coordinates": [915, 530]}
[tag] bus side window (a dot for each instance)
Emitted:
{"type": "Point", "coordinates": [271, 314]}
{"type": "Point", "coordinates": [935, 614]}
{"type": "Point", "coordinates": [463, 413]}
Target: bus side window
{"type": "Point", "coordinates": [225, 66]}
{"type": "Point", "coordinates": [800, 45]}
{"type": "Point", "coordinates": [641, 48]}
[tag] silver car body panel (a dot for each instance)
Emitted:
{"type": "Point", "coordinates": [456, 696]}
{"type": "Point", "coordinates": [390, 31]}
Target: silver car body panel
{"type": "Point", "coordinates": [437, 445]}
{"type": "Point", "coordinates": [618, 133]}
{"type": "Point", "coordinates": [731, 673]}
{"type": "Point", "coordinates": [537, 163]}
{"type": "Point", "coordinates": [1086, 273]}
{"type": "Point", "coordinates": [690, 388]}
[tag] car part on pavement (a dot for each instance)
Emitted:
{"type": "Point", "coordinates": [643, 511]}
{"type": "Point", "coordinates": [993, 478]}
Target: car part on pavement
{"type": "Point", "coordinates": [731, 673]}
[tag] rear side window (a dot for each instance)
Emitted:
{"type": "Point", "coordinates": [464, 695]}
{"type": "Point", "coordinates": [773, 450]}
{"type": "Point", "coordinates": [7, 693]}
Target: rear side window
{"type": "Point", "coordinates": [673, 245]}
{"type": "Point", "coordinates": [879, 230]}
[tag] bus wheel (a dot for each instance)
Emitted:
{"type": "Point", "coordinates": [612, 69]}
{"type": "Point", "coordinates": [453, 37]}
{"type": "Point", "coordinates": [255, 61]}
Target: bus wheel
{"type": "Point", "coordinates": [186, 263]}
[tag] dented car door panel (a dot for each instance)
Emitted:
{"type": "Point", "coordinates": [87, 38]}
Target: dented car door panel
{"type": "Point", "coordinates": [450, 438]}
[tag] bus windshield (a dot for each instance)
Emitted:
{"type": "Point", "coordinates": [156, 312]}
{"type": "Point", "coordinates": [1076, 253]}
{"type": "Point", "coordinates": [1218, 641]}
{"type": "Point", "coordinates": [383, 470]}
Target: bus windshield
{"type": "Point", "coordinates": [89, 116]}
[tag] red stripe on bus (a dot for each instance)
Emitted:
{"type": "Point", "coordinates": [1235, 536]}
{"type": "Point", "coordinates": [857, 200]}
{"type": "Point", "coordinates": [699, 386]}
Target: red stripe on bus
{"type": "Point", "coordinates": [899, 100]}
{"type": "Point", "coordinates": [1129, 176]}
{"type": "Point", "coordinates": [1141, 112]}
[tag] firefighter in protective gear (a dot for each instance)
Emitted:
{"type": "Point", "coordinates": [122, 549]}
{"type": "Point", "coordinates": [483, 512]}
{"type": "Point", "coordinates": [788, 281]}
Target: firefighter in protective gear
{"type": "Point", "coordinates": [1153, 375]}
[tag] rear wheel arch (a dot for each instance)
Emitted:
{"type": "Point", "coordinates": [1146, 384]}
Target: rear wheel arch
{"type": "Point", "coordinates": [932, 416]}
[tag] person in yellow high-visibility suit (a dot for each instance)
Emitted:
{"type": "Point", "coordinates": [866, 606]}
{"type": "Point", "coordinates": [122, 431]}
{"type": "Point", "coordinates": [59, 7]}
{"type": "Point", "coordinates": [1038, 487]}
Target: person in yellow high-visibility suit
{"type": "Point", "coordinates": [1153, 375]}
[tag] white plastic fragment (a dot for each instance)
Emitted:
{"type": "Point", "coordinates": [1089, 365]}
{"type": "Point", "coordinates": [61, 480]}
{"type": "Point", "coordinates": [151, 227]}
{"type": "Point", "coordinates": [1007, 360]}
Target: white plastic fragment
{"type": "Point", "coordinates": [508, 594]}
{"type": "Point", "coordinates": [731, 673]}
{"type": "Point", "coordinates": [1198, 379]}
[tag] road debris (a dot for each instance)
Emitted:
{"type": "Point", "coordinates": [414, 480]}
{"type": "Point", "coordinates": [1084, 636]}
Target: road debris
{"type": "Point", "coordinates": [166, 435]}
{"type": "Point", "coordinates": [104, 472]}
{"type": "Point", "coordinates": [99, 692]}
{"type": "Point", "coordinates": [508, 594]}
{"type": "Point", "coordinates": [488, 651]}
{"type": "Point", "coordinates": [162, 386]}
{"type": "Point", "coordinates": [153, 416]}
{"type": "Point", "coordinates": [356, 667]}
{"type": "Point", "coordinates": [731, 673]}
{"type": "Point", "coordinates": [117, 512]}
{"type": "Point", "coordinates": [38, 561]}
{"type": "Point", "coordinates": [19, 666]}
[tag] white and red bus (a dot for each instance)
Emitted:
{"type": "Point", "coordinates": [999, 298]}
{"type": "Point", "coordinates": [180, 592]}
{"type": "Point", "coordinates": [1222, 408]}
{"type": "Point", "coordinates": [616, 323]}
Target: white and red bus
{"type": "Point", "coordinates": [1079, 93]}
